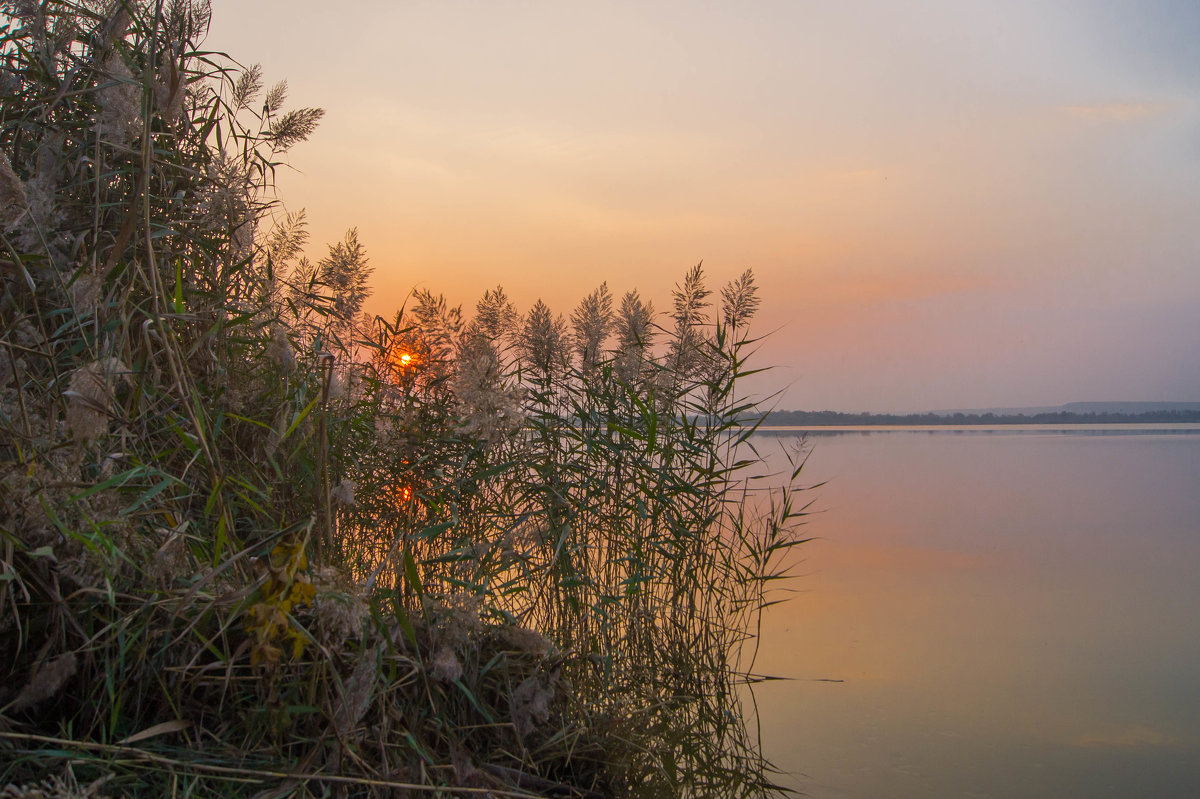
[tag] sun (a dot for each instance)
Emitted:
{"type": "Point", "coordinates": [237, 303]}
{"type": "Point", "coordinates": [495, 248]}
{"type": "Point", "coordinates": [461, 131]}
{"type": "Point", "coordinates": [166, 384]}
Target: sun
{"type": "Point", "coordinates": [403, 360]}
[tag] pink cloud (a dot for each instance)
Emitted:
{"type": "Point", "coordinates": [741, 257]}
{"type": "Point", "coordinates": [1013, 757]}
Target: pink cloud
{"type": "Point", "coordinates": [1117, 112]}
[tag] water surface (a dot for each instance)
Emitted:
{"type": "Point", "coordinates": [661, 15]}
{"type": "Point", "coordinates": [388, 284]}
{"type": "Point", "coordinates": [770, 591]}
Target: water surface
{"type": "Point", "coordinates": [1012, 613]}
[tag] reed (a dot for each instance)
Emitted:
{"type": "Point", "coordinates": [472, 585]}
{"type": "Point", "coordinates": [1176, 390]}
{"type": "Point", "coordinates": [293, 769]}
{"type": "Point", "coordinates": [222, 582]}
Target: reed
{"type": "Point", "coordinates": [253, 543]}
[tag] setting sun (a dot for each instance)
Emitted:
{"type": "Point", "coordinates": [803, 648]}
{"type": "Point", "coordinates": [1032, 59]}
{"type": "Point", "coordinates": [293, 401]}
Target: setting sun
{"type": "Point", "coordinates": [403, 360]}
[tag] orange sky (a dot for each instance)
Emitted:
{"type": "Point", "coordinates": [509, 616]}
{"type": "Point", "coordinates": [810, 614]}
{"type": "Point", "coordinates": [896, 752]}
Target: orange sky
{"type": "Point", "coordinates": [947, 204]}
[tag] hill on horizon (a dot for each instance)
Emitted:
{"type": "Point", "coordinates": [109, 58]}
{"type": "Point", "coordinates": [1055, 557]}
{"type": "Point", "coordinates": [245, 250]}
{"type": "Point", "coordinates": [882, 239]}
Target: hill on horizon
{"type": "Point", "coordinates": [1078, 407]}
{"type": "Point", "coordinates": [1072, 413]}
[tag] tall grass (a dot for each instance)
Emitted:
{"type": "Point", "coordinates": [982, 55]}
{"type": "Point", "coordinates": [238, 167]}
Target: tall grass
{"type": "Point", "coordinates": [254, 543]}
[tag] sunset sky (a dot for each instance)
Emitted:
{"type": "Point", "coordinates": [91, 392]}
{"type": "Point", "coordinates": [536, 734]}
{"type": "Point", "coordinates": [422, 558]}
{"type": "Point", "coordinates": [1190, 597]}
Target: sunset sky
{"type": "Point", "coordinates": [947, 204]}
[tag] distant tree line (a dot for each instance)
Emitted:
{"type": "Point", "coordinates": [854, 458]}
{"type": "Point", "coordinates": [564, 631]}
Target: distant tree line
{"type": "Point", "coordinates": [838, 418]}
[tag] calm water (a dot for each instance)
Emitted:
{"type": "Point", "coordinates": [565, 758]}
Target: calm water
{"type": "Point", "coordinates": [1013, 613]}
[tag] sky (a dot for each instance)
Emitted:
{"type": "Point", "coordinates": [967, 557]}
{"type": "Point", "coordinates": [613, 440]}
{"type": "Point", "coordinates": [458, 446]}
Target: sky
{"type": "Point", "coordinates": [946, 203]}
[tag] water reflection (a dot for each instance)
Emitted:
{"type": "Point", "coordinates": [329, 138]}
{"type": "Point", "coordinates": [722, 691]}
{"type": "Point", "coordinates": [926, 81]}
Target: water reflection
{"type": "Point", "coordinates": [1012, 615]}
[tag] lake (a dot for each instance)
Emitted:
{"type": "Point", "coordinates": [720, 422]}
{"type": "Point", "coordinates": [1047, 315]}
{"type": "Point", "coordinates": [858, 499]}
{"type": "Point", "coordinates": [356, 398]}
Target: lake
{"type": "Point", "coordinates": [1010, 612]}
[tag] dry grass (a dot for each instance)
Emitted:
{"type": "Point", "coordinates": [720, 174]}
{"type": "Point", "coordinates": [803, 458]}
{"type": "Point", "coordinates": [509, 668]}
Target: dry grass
{"type": "Point", "coordinates": [253, 544]}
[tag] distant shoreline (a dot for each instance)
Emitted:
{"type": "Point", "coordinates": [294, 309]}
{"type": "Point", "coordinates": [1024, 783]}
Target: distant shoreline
{"type": "Point", "coordinates": [840, 419]}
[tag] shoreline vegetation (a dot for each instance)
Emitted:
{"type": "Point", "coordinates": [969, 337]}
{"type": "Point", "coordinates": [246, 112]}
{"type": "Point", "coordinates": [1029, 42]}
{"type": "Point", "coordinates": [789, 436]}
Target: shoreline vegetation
{"type": "Point", "coordinates": [840, 419]}
{"type": "Point", "coordinates": [256, 543]}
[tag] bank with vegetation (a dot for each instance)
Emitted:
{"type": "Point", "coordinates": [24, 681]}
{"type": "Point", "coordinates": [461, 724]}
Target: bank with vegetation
{"type": "Point", "coordinates": [254, 543]}
{"type": "Point", "coordinates": [839, 418]}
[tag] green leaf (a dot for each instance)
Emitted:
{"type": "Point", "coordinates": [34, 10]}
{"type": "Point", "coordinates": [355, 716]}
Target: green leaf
{"type": "Point", "coordinates": [471, 698]}
{"type": "Point", "coordinates": [147, 495]}
{"type": "Point", "coordinates": [178, 286]}
{"type": "Point", "coordinates": [410, 572]}
{"type": "Point", "coordinates": [300, 418]}
{"type": "Point", "coordinates": [115, 480]}
{"type": "Point", "coordinates": [406, 625]}
{"type": "Point", "coordinates": [222, 539]}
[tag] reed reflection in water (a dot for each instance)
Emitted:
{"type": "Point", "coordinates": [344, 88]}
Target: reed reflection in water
{"type": "Point", "coordinates": [1013, 613]}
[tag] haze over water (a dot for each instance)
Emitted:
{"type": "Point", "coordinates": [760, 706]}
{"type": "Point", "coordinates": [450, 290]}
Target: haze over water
{"type": "Point", "coordinates": [1012, 613]}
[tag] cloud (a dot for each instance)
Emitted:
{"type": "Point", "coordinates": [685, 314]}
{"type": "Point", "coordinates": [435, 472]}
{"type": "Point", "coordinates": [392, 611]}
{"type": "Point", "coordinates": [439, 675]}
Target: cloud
{"type": "Point", "coordinates": [906, 558]}
{"type": "Point", "coordinates": [1134, 737]}
{"type": "Point", "coordinates": [870, 174]}
{"type": "Point", "coordinates": [1117, 112]}
{"type": "Point", "coordinates": [880, 288]}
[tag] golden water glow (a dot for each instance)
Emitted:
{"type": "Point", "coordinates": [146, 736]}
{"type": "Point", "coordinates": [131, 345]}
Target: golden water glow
{"type": "Point", "coordinates": [999, 609]}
